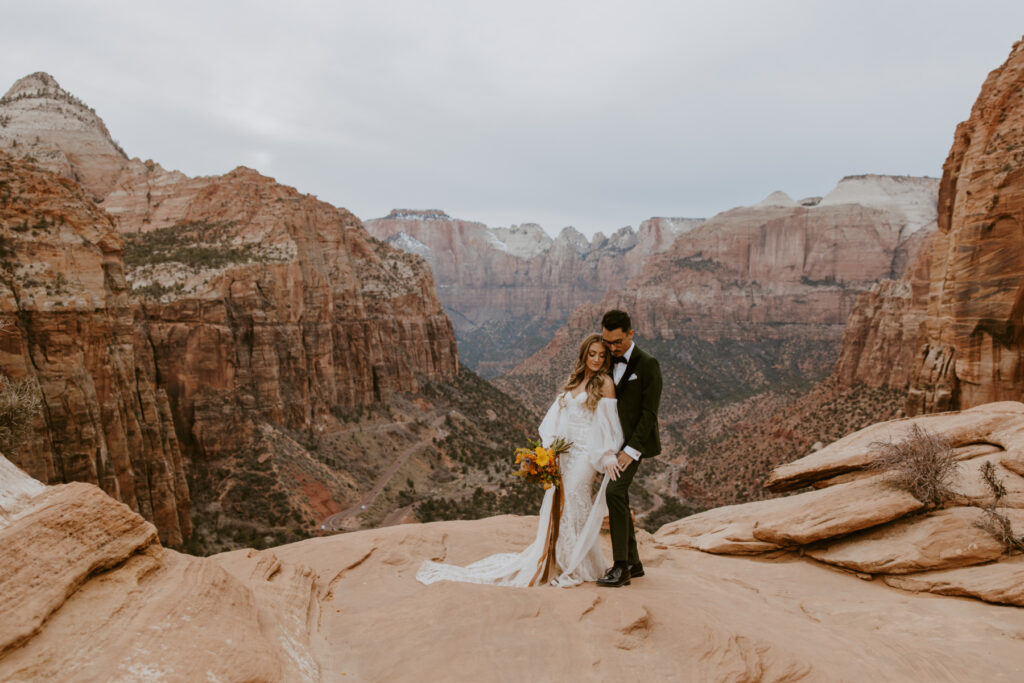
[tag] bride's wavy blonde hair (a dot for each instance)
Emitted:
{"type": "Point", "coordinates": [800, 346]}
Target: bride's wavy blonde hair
{"type": "Point", "coordinates": [579, 371]}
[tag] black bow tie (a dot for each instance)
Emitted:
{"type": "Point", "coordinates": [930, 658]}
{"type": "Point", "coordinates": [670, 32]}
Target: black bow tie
{"type": "Point", "coordinates": [618, 359]}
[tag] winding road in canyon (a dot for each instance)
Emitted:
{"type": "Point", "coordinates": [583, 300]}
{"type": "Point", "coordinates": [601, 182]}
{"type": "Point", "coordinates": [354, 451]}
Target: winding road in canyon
{"type": "Point", "coordinates": [348, 519]}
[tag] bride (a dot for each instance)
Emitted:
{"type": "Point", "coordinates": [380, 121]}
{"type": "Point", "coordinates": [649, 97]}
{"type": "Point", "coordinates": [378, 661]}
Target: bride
{"type": "Point", "coordinates": [585, 414]}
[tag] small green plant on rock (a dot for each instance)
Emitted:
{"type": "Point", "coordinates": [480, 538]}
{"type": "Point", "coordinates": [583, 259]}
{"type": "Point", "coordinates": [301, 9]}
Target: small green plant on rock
{"type": "Point", "coordinates": [922, 464]}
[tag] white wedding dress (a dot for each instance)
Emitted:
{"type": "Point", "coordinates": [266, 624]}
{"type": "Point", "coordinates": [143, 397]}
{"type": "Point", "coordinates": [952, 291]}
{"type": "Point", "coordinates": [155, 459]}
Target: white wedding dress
{"type": "Point", "coordinates": [596, 437]}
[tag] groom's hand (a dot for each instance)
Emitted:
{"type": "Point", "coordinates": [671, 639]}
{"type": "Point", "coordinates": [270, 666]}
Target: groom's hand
{"type": "Point", "coordinates": [624, 461]}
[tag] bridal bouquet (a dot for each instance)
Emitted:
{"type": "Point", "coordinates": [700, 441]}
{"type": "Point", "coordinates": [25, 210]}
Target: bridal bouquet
{"type": "Point", "coordinates": [539, 465]}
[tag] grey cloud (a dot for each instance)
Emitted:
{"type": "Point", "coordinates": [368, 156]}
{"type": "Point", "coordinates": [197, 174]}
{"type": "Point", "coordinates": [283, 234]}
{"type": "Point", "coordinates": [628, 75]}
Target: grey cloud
{"type": "Point", "coordinates": [584, 113]}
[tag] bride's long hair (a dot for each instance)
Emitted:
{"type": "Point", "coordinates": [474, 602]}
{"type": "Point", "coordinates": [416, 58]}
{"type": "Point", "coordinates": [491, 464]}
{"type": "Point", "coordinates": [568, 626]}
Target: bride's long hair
{"type": "Point", "coordinates": [579, 371]}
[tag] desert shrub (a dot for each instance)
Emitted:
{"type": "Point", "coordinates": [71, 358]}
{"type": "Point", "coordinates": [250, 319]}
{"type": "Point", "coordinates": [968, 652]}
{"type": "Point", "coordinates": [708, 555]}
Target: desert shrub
{"type": "Point", "coordinates": [20, 402]}
{"type": "Point", "coordinates": [922, 463]}
{"type": "Point", "coordinates": [156, 290]}
{"type": "Point", "coordinates": [994, 522]}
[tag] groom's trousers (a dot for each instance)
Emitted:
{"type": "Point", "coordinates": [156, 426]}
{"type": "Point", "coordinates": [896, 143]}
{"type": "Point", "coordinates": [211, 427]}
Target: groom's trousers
{"type": "Point", "coordinates": [620, 521]}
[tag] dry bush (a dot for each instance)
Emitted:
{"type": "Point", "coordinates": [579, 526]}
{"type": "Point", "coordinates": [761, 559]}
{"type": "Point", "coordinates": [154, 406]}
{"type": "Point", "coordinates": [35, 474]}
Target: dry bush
{"type": "Point", "coordinates": [20, 402]}
{"type": "Point", "coordinates": [994, 522]}
{"type": "Point", "coordinates": [922, 463]}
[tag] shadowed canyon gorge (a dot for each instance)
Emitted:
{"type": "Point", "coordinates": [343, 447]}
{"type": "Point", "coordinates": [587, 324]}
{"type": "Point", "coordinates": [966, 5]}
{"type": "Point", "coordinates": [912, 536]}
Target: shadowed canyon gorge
{"type": "Point", "coordinates": [226, 364]}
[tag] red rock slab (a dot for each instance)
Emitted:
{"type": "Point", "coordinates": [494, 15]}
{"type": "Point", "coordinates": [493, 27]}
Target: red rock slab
{"type": "Point", "coordinates": [938, 540]}
{"type": "Point", "coordinates": [835, 511]}
{"type": "Point", "coordinates": [159, 616]}
{"type": "Point", "coordinates": [286, 597]}
{"type": "Point", "coordinates": [695, 616]}
{"type": "Point", "coordinates": [993, 423]}
{"type": "Point", "coordinates": [726, 530]}
{"type": "Point", "coordinates": [999, 582]}
{"type": "Point", "coordinates": [48, 551]}
{"type": "Point", "coordinates": [1014, 461]}
{"type": "Point", "coordinates": [970, 487]}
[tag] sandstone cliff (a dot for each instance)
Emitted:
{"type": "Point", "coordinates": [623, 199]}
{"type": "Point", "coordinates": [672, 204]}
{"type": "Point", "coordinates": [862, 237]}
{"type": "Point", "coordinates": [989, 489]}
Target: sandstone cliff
{"type": "Point", "coordinates": [947, 332]}
{"type": "Point", "coordinates": [40, 119]}
{"type": "Point", "coordinates": [752, 303]}
{"type": "Point", "coordinates": [273, 318]}
{"type": "Point", "coordinates": [106, 420]}
{"type": "Point", "coordinates": [779, 263]}
{"type": "Point", "coordinates": [879, 346]}
{"type": "Point", "coordinates": [256, 320]}
{"type": "Point", "coordinates": [757, 295]}
{"type": "Point", "coordinates": [971, 347]}
{"type": "Point", "coordinates": [507, 289]}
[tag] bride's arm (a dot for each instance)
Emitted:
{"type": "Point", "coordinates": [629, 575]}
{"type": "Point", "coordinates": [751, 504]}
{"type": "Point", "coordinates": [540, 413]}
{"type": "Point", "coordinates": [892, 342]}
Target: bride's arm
{"type": "Point", "coordinates": [551, 425]}
{"type": "Point", "coordinates": [605, 432]}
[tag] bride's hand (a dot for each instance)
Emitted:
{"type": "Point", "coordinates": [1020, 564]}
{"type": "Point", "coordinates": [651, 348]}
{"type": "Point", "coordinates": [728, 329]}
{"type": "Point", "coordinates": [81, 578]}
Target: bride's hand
{"type": "Point", "coordinates": [613, 471]}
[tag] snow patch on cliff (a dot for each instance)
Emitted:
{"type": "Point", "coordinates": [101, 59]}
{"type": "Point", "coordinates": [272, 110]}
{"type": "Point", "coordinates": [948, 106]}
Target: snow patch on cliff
{"type": "Point", "coordinates": [410, 244]}
{"type": "Point", "coordinates": [524, 241]}
{"type": "Point", "coordinates": [916, 198]}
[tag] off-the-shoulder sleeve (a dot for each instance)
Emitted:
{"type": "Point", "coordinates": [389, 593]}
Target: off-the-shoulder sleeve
{"type": "Point", "coordinates": [605, 434]}
{"type": "Point", "coordinates": [553, 423]}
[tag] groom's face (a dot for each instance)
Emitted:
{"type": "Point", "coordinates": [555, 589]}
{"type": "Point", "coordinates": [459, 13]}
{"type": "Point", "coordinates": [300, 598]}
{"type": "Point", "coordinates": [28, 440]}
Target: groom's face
{"type": "Point", "coordinates": [617, 340]}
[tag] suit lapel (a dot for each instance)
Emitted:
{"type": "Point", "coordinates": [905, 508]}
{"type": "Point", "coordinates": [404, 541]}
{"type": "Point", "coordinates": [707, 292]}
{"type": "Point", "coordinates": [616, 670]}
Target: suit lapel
{"type": "Point", "coordinates": [634, 360]}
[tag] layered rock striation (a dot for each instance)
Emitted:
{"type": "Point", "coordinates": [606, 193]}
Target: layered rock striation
{"type": "Point", "coordinates": [779, 263]}
{"type": "Point", "coordinates": [41, 120]}
{"type": "Point", "coordinates": [261, 301]}
{"type": "Point", "coordinates": [879, 347]}
{"type": "Point", "coordinates": [971, 347]}
{"type": "Point", "coordinates": [71, 328]}
{"type": "Point", "coordinates": [202, 332]}
{"type": "Point", "coordinates": [88, 593]}
{"type": "Point", "coordinates": [758, 296]}
{"type": "Point", "coordinates": [117, 605]}
{"type": "Point", "coordinates": [948, 332]}
{"type": "Point", "coordinates": [861, 519]}
{"type": "Point", "coordinates": [507, 289]}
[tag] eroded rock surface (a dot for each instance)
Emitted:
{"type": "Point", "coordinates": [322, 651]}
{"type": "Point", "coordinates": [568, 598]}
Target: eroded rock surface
{"type": "Point", "coordinates": [860, 520]}
{"type": "Point", "coordinates": [970, 350]}
{"type": "Point", "coordinates": [506, 289]}
{"type": "Point", "coordinates": [349, 607]}
{"type": "Point", "coordinates": [88, 593]}
{"type": "Point", "coordinates": [71, 328]}
{"type": "Point", "coordinates": [208, 321]}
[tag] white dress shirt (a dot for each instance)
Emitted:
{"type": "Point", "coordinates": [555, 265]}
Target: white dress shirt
{"type": "Point", "coordinates": [618, 371]}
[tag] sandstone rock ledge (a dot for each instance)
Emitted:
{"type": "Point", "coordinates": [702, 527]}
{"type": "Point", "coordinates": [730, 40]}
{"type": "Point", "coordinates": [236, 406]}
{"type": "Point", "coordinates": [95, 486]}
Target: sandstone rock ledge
{"type": "Point", "coordinates": [857, 520]}
{"type": "Point", "coordinates": [87, 593]}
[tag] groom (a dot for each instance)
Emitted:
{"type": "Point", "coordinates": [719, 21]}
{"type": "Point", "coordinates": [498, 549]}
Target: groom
{"type": "Point", "coordinates": [637, 378]}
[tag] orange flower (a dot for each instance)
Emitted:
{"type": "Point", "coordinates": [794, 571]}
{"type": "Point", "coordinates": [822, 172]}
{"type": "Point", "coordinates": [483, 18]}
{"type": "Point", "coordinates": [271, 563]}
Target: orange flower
{"type": "Point", "coordinates": [543, 457]}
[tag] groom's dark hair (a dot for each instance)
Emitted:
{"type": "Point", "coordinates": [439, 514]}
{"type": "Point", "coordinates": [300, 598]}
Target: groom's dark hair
{"type": "Point", "coordinates": [616, 320]}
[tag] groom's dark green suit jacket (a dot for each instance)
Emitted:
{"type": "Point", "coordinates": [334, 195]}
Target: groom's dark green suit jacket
{"type": "Point", "coordinates": [639, 394]}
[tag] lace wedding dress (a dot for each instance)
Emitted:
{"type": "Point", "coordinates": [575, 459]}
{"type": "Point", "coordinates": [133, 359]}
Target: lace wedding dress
{"type": "Point", "coordinates": [597, 437]}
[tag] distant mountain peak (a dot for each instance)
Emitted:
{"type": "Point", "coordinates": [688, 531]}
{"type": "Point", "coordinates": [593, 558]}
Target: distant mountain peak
{"type": "Point", "coordinates": [777, 198]}
{"type": "Point", "coordinates": [419, 214]}
{"type": "Point", "coordinates": [61, 132]}
{"type": "Point", "coordinates": [39, 82]}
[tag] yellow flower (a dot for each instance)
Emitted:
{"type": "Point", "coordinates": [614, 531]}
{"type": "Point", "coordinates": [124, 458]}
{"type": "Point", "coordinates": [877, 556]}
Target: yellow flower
{"type": "Point", "coordinates": [543, 457]}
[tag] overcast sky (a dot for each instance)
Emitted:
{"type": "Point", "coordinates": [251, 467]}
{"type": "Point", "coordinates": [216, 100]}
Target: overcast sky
{"type": "Point", "coordinates": [593, 114]}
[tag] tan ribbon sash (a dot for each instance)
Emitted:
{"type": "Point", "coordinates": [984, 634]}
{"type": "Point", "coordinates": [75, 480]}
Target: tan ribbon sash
{"type": "Point", "coordinates": [547, 566]}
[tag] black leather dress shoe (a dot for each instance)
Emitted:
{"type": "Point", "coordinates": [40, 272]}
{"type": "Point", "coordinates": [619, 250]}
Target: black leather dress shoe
{"type": "Point", "coordinates": [636, 570]}
{"type": "Point", "coordinates": [615, 577]}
